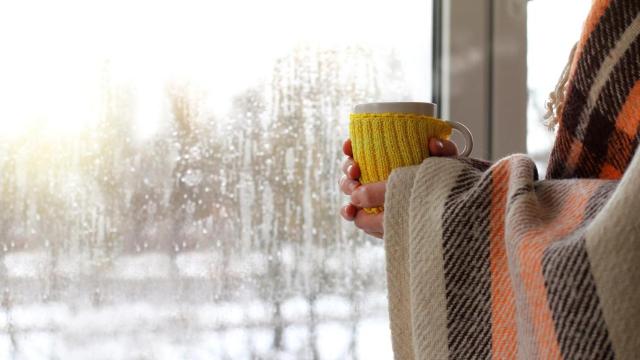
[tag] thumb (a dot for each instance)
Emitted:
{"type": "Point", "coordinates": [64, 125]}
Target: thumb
{"type": "Point", "coordinates": [442, 147]}
{"type": "Point", "coordinates": [369, 195]}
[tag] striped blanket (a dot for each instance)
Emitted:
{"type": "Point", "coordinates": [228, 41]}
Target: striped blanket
{"type": "Point", "coordinates": [598, 131]}
{"type": "Point", "coordinates": [488, 261]}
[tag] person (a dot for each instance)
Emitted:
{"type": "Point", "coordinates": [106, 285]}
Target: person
{"type": "Point", "coordinates": [488, 261]}
{"type": "Point", "coordinates": [372, 195]}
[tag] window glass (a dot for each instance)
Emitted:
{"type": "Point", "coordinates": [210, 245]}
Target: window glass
{"type": "Point", "coordinates": [168, 176]}
{"type": "Point", "coordinates": [553, 27]}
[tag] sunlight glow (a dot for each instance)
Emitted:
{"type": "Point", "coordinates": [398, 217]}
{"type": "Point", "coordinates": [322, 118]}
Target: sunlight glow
{"type": "Point", "coordinates": [165, 164]}
{"type": "Point", "coordinates": [59, 57]}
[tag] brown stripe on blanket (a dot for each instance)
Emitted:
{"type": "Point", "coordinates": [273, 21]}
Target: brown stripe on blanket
{"type": "Point", "coordinates": [571, 290]}
{"type": "Point", "coordinates": [565, 216]}
{"type": "Point", "coordinates": [482, 251]}
{"type": "Point", "coordinates": [618, 157]}
{"type": "Point", "coordinates": [561, 147]}
{"type": "Point", "coordinates": [600, 93]}
{"type": "Point", "coordinates": [477, 164]}
{"type": "Point", "coordinates": [603, 118]}
{"type": "Point", "coordinates": [466, 265]}
{"type": "Point", "coordinates": [582, 68]}
{"type": "Point", "coordinates": [592, 66]}
{"type": "Point", "coordinates": [610, 27]}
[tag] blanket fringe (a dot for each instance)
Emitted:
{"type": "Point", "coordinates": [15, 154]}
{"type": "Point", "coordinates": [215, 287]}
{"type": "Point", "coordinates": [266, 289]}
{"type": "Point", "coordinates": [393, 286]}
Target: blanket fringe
{"type": "Point", "coordinates": [555, 104]}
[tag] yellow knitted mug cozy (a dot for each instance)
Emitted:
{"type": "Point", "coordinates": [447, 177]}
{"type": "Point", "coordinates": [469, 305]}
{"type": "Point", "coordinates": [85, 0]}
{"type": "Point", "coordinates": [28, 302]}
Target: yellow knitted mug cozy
{"type": "Point", "coordinates": [382, 142]}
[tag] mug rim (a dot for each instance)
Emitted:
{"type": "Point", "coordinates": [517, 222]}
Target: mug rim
{"type": "Point", "coordinates": [412, 107]}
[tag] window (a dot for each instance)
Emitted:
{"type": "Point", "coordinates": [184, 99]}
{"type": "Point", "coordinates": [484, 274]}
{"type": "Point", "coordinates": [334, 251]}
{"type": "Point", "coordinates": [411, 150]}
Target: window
{"type": "Point", "coordinates": [168, 176]}
{"type": "Point", "coordinates": [550, 35]}
{"type": "Point", "coordinates": [483, 67]}
{"type": "Point", "coordinates": [500, 60]}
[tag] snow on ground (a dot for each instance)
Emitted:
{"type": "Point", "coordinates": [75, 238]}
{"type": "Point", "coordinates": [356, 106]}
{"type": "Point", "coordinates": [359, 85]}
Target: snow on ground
{"type": "Point", "coordinates": [220, 331]}
{"type": "Point", "coordinates": [141, 314]}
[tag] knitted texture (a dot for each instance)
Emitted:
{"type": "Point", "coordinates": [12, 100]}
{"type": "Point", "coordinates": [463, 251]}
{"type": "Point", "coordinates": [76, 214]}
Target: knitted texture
{"type": "Point", "coordinates": [386, 141]}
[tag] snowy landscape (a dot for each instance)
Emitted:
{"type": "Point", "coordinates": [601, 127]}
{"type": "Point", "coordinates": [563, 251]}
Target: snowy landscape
{"type": "Point", "coordinates": [214, 237]}
{"type": "Point", "coordinates": [181, 318]}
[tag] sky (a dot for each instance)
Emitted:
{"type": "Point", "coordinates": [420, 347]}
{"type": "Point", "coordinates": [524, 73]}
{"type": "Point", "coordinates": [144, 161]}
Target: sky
{"type": "Point", "coordinates": [55, 53]}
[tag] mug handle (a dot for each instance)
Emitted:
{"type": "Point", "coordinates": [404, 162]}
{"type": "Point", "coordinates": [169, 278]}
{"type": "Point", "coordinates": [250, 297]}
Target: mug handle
{"type": "Point", "coordinates": [468, 138]}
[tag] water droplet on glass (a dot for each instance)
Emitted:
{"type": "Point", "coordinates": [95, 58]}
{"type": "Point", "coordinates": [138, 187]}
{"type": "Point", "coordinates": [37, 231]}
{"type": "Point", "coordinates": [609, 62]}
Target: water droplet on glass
{"type": "Point", "coordinates": [193, 178]}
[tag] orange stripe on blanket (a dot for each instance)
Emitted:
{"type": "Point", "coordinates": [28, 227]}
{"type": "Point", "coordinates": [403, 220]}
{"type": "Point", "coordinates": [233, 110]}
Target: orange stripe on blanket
{"type": "Point", "coordinates": [574, 154]}
{"type": "Point", "coordinates": [609, 172]}
{"type": "Point", "coordinates": [620, 146]}
{"type": "Point", "coordinates": [598, 9]}
{"type": "Point", "coordinates": [533, 244]}
{"type": "Point", "coordinates": [629, 118]}
{"type": "Point", "coordinates": [503, 309]}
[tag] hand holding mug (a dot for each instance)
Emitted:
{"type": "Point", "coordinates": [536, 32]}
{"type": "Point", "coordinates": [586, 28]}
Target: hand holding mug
{"type": "Point", "coordinates": [385, 136]}
{"type": "Point", "coordinates": [372, 195]}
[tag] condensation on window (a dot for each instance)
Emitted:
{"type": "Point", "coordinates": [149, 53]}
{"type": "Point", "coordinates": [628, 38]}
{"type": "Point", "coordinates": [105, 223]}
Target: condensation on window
{"type": "Point", "coordinates": [168, 176]}
{"type": "Point", "coordinates": [551, 34]}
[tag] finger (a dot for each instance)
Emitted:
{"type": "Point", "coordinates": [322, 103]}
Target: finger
{"type": "Point", "coordinates": [346, 148]}
{"type": "Point", "coordinates": [370, 223]}
{"type": "Point", "coordinates": [346, 164]}
{"type": "Point", "coordinates": [441, 147]}
{"type": "Point", "coordinates": [348, 212]}
{"type": "Point", "coordinates": [369, 195]}
{"type": "Point", "coordinates": [375, 234]}
{"type": "Point", "coordinates": [353, 172]}
{"type": "Point", "coordinates": [351, 168]}
{"type": "Point", "coordinates": [347, 185]}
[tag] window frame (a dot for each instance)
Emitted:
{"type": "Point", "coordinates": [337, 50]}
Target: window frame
{"type": "Point", "coordinates": [480, 71]}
